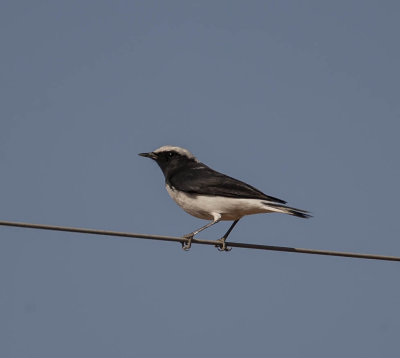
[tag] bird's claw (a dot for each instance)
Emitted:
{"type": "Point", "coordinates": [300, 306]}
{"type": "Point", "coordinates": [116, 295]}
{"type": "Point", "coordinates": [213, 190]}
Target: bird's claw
{"type": "Point", "coordinates": [187, 244]}
{"type": "Point", "coordinates": [221, 246]}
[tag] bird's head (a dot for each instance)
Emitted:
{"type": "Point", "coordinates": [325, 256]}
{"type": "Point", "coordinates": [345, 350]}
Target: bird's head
{"type": "Point", "coordinates": [170, 158]}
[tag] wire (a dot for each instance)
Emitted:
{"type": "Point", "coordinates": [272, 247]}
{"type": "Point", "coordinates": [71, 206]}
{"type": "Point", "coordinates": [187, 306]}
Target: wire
{"type": "Point", "coordinates": [183, 240]}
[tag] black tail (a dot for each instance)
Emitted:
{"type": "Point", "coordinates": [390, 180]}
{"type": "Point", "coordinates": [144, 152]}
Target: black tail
{"type": "Point", "coordinates": [299, 213]}
{"type": "Point", "coordinates": [288, 210]}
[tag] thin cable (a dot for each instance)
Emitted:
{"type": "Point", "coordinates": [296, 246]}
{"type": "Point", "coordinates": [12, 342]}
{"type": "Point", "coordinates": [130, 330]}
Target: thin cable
{"type": "Point", "coordinates": [199, 241]}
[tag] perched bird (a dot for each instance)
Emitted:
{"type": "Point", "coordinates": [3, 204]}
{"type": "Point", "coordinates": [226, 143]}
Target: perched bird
{"type": "Point", "coordinates": [210, 195]}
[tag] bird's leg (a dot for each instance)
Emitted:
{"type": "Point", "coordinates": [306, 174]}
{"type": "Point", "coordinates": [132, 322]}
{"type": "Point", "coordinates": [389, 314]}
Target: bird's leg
{"type": "Point", "coordinates": [222, 246]}
{"type": "Point", "coordinates": [186, 245]}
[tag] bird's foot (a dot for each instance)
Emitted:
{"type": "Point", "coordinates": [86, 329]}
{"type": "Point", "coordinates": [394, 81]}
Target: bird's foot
{"type": "Point", "coordinates": [188, 244]}
{"type": "Point", "coordinates": [221, 246]}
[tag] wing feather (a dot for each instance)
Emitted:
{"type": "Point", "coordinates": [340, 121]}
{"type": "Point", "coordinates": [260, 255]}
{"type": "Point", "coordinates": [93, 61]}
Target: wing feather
{"type": "Point", "coordinates": [206, 181]}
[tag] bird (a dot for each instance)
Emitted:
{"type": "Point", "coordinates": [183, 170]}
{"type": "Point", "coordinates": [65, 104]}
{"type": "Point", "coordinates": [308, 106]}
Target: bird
{"type": "Point", "coordinates": [210, 195]}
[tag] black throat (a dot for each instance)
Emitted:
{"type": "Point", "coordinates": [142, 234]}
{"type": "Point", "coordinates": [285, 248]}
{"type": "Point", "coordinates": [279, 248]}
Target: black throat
{"type": "Point", "coordinates": [176, 165]}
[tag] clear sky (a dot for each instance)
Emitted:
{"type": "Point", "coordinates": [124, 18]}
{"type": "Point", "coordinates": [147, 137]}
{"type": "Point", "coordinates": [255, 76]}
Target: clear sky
{"type": "Point", "coordinates": [298, 98]}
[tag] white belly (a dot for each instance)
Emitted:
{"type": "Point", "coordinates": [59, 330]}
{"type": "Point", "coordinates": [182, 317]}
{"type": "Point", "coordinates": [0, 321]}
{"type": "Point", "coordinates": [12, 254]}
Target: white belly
{"type": "Point", "coordinates": [204, 206]}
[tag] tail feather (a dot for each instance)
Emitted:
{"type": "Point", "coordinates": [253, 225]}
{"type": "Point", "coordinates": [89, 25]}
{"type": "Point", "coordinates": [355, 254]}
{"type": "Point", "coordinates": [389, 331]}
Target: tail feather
{"type": "Point", "coordinates": [288, 210]}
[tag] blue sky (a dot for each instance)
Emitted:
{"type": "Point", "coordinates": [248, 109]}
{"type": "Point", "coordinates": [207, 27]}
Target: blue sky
{"type": "Point", "coordinates": [300, 99]}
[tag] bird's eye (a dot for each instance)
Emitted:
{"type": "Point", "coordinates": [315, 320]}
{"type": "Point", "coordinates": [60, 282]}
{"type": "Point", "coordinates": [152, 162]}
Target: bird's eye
{"type": "Point", "coordinates": [170, 154]}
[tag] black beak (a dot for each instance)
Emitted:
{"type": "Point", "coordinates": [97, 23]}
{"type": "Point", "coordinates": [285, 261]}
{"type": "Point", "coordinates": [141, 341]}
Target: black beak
{"type": "Point", "coordinates": [149, 155]}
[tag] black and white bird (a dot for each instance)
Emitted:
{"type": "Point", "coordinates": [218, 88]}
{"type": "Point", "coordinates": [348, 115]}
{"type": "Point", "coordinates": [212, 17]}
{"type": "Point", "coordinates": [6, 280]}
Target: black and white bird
{"type": "Point", "coordinates": [210, 195]}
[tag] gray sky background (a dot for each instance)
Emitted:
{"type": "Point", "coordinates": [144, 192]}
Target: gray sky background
{"type": "Point", "coordinates": [300, 99]}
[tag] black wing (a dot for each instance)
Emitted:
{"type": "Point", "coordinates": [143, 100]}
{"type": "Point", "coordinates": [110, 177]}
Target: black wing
{"type": "Point", "coordinates": [203, 180]}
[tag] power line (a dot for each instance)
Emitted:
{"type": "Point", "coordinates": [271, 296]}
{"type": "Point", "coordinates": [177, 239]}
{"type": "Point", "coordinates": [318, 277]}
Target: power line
{"type": "Point", "coordinates": [183, 240]}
